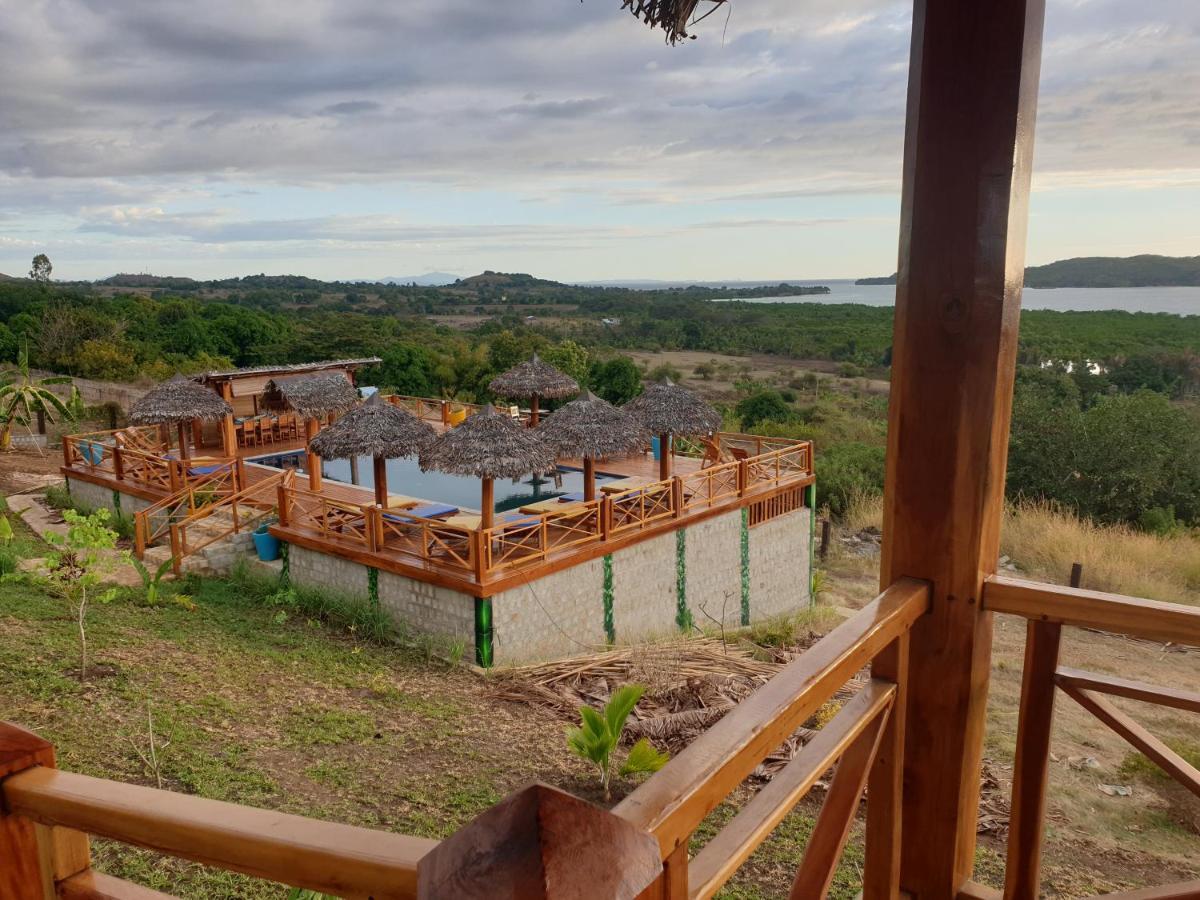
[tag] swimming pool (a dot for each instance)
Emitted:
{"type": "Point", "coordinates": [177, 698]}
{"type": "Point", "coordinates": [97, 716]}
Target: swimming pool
{"type": "Point", "coordinates": [404, 476]}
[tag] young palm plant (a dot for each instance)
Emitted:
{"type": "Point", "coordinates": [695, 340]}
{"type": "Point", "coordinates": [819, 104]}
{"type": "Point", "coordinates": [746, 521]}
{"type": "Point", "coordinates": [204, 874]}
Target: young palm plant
{"type": "Point", "coordinates": [22, 396]}
{"type": "Point", "coordinates": [599, 734]}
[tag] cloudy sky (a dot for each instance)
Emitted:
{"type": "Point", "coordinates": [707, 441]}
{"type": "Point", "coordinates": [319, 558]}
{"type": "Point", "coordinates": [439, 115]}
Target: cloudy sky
{"type": "Point", "coordinates": [360, 139]}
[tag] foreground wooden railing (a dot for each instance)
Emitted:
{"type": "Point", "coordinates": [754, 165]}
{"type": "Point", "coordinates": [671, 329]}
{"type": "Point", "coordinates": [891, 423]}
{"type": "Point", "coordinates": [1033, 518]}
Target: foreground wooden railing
{"type": "Point", "coordinates": [1048, 608]}
{"type": "Point", "coordinates": [536, 843]}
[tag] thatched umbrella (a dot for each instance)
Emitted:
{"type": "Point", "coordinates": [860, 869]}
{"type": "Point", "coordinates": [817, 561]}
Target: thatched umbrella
{"type": "Point", "coordinates": [488, 445]}
{"type": "Point", "coordinates": [533, 380]}
{"type": "Point", "coordinates": [178, 402]}
{"type": "Point", "coordinates": [378, 430]}
{"type": "Point", "coordinates": [672, 16]}
{"type": "Point", "coordinates": [593, 428]}
{"type": "Point", "coordinates": [665, 409]}
{"type": "Point", "coordinates": [312, 397]}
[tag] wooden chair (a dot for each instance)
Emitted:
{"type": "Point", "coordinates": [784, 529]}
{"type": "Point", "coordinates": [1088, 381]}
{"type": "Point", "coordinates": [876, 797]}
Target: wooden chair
{"type": "Point", "coordinates": [713, 454]}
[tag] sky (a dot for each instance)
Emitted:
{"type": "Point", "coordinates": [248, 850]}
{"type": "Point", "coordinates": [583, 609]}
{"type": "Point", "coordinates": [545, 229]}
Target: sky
{"type": "Point", "coordinates": [361, 140]}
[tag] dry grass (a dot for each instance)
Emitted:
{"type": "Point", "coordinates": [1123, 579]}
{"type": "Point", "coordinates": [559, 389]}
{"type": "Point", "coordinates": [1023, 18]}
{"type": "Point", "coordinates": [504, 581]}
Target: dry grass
{"type": "Point", "coordinates": [1045, 540]}
{"type": "Point", "coordinates": [865, 510]}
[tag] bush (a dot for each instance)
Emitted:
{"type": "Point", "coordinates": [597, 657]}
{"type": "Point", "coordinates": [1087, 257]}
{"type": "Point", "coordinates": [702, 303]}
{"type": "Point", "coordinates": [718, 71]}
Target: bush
{"type": "Point", "coordinates": [763, 406]}
{"type": "Point", "coordinates": [58, 497]}
{"type": "Point", "coordinates": [8, 561]}
{"type": "Point", "coordinates": [847, 473]}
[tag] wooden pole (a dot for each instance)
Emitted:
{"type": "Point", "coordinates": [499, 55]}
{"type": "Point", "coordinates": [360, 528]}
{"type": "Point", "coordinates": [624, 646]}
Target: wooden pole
{"type": "Point", "coordinates": [973, 79]}
{"type": "Point", "coordinates": [380, 473]}
{"type": "Point", "coordinates": [229, 445]}
{"type": "Point", "coordinates": [487, 505]}
{"type": "Point", "coordinates": [534, 418]}
{"type": "Point", "coordinates": [312, 462]}
{"type": "Point", "coordinates": [354, 470]}
{"type": "Point", "coordinates": [664, 457]}
{"type": "Point", "coordinates": [589, 479]}
{"type": "Point", "coordinates": [183, 444]}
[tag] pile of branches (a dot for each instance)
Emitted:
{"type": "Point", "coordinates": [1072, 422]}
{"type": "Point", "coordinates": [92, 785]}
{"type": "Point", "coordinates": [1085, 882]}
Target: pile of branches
{"type": "Point", "coordinates": [689, 686]}
{"type": "Point", "coordinates": [672, 16]}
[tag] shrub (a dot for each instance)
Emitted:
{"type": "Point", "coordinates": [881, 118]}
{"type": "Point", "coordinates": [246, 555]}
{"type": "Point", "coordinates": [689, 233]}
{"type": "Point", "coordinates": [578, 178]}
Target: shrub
{"type": "Point", "coordinates": [58, 497]}
{"type": "Point", "coordinates": [763, 406]}
{"type": "Point", "coordinates": [847, 473]}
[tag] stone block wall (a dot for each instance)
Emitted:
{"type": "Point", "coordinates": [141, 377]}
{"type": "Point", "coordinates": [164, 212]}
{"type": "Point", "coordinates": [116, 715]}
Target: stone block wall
{"type": "Point", "coordinates": [95, 496]}
{"type": "Point", "coordinates": [719, 569]}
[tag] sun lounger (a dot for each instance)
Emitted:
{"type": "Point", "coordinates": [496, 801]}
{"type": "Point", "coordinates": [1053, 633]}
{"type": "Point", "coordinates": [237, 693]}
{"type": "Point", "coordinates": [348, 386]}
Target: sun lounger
{"type": "Point", "coordinates": [623, 484]}
{"type": "Point", "coordinates": [430, 511]}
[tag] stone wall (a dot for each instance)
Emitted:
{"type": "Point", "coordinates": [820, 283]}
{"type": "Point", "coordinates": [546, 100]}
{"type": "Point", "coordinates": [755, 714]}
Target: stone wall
{"type": "Point", "coordinates": [95, 496]}
{"type": "Point", "coordinates": [651, 589]}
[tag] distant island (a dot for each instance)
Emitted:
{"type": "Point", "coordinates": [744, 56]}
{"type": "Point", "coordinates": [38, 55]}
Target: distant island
{"type": "Point", "coordinates": [1104, 272]}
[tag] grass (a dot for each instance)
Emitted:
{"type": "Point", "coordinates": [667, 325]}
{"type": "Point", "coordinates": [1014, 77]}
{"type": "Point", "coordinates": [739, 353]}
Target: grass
{"type": "Point", "coordinates": [1139, 766]}
{"type": "Point", "coordinates": [1045, 540]}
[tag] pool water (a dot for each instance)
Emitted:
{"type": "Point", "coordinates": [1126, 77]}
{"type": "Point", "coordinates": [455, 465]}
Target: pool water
{"type": "Point", "coordinates": [404, 476]}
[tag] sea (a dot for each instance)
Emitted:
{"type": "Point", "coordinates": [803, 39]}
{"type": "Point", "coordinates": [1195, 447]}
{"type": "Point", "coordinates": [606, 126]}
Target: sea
{"type": "Point", "coordinates": [1182, 301]}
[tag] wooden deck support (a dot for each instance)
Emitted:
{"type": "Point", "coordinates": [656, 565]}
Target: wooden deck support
{"type": "Point", "coordinates": [973, 79]}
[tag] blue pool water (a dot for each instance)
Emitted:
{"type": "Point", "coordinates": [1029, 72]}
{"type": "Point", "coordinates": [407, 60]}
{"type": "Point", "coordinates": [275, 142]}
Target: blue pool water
{"type": "Point", "coordinates": [404, 476]}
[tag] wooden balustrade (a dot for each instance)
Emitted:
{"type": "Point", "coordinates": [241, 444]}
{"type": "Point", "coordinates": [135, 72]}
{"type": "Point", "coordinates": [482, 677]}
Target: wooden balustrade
{"type": "Point", "coordinates": [1048, 609]}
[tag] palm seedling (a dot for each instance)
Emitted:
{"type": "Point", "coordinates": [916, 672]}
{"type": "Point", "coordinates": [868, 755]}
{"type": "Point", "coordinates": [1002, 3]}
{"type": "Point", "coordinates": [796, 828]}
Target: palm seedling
{"type": "Point", "coordinates": [599, 734]}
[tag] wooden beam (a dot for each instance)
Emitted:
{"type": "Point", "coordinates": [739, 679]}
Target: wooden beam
{"type": "Point", "coordinates": [829, 836]}
{"type": "Point", "coordinates": [92, 885]}
{"type": "Point", "coordinates": [1169, 622]}
{"type": "Point", "coordinates": [694, 782]}
{"type": "Point", "coordinates": [733, 844]}
{"type": "Point", "coordinates": [885, 789]}
{"type": "Point", "coordinates": [1031, 767]}
{"type": "Point", "coordinates": [23, 874]}
{"type": "Point", "coordinates": [973, 78]}
{"type": "Point", "coordinates": [1189, 890]}
{"type": "Point", "coordinates": [1160, 754]}
{"type": "Point", "coordinates": [972, 890]}
{"type": "Point", "coordinates": [1133, 690]}
{"type": "Point", "coordinates": [321, 856]}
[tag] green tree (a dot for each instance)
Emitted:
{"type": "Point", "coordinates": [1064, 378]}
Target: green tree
{"type": "Point", "coordinates": [41, 269]}
{"type": "Point", "coordinates": [847, 471]}
{"type": "Point", "coordinates": [77, 565]}
{"type": "Point", "coordinates": [763, 406]}
{"type": "Point", "coordinates": [569, 357]}
{"type": "Point", "coordinates": [408, 369]}
{"type": "Point", "coordinates": [618, 380]}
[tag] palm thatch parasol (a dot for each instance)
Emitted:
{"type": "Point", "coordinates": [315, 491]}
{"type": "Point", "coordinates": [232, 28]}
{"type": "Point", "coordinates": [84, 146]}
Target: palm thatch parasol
{"type": "Point", "coordinates": [593, 428]}
{"type": "Point", "coordinates": [665, 409]}
{"type": "Point", "coordinates": [533, 380]}
{"type": "Point", "coordinates": [178, 401]}
{"type": "Point", "coordinates": [488, 445]}
{"type": "Point", "coordinates": [310, 396]}
{"type": "Point", "coordinates": [378, 430]}
{"type": "Point", "coordinates": [670, 15]}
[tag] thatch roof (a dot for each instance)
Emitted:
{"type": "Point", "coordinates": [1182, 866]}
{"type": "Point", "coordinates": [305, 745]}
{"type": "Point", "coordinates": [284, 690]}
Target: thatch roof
{"type": "Point", "coordinates": [489, 445]}
{"type": "Point", "coordinates": [590, 426]}
{"type": "Point", "coordinates": [373, 429]}
{"type": "Point", "coordinates": [293, 369]}
{"type": "Point", "coordinates": [177, 400]}
{"type": "Point", "coordinates": [667, 408]}
{"type": "Point", "coordinates": [310, 396]}
{"type": "Point", "coordinates": [533, 378]}
{"type": "Point", "coordinates": [672, 16]}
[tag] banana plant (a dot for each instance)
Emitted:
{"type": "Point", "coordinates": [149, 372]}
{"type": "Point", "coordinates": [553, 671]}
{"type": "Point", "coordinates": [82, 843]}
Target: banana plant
{"type": "Point", "coordinates": [599, 735]}
{"type": "Point", "coordinates": [151, 583]}
{"type": "Point", "coordinates": [22, 396]}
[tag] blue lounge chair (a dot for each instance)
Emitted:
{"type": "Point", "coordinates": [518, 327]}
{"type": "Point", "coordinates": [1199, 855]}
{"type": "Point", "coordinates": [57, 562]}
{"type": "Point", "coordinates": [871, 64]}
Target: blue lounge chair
{"type": "Point", "coordinates": [573, 497]}
{"type": "Point", "coordinates": [428, 511]}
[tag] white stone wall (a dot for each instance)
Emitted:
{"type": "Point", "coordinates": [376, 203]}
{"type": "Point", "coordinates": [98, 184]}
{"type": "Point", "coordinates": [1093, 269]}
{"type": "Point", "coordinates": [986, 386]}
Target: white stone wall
{"type": "Point", "coordinates": [95, 496]}
{"type": "Point", "coordinates": [714, 571]}
{"type": "Point", "coordinates": [780, 575]}
{"type": "Point", "coordinates": [428, 607]}
{"type": "Point", "coordinates": [644, 590]}
{"type": "Point", "coordinates": [559, 615]}
{"type": "Point", "coordinates": [308, 568]}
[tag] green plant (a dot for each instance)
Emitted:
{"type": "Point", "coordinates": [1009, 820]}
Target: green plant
{"type": "Point", "coordinates": [599, 734]}
{"type": "Point", "coordinates": [151, 583]}
{"type": "Point", "coordinates": [22, 397]}
{"type": "Point", "coordinates": [8, 561]}
{"type": "Point", "coordinates": [77, 565]}
{"type": "Point", "coordinates": [6, 531]}
{"type": "Point", "coordinates": [58, 496]}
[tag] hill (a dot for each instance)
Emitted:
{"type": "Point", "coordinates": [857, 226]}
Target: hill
{"type": "Point", "coordinates": [1104, 272]}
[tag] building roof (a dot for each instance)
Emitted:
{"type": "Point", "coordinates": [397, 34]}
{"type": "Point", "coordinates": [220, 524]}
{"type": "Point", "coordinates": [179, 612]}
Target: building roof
{"type": "Point", "coordinates": [177, 400]}
{"type": "Point", "coordinates": [310, 394]}
{"type": "Point", "coordinates": [293, 369]}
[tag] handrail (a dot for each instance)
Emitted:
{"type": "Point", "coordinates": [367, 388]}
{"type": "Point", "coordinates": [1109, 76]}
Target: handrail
{"type": "Point", "coordinates": [1115, 613]}
{"type": "Point", "coordinates": [249, 497]}
{"type": "Point", "coordinates": [307, 853]}
{"type": "Point", "coordinates": [675, 801]}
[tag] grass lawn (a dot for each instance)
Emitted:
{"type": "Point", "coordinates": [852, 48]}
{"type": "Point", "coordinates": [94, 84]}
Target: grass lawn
{"type": "Point", "coordinates": [290, 714]}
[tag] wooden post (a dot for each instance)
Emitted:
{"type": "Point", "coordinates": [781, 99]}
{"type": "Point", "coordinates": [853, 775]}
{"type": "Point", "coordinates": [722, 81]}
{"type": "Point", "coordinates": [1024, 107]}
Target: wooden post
{"type": "Point", "coordinates": [354, 470]}
{"type": "Point", "coordinates": [283, 502]}
{"type": "Point", "coordinates": [972, 95]}
{"type": "Point", "coordinates": [826, 529]}
{"type": "Point", "coordinates": [68, 444]}
{"type": "Point", "coordinates": [312, 462]}
{"type": "Point", "coordinates": [1076, 574]}
{"type": "Point", "coordinates": [487, 505]}
{"type": "Point", "coordinates": [534, 416]}
{"type": "Point", "coordinates": [445, 413]}
{"type": "Point", "coordinates": [33, 858]}
{"type": "Point", "coordinates": [197, 434]}
{"type": "Point", "coordinates": [183, 444]}
{"type": "Point", "coordinates": [118, 461]}
{"type": "Point", "coordinates": [677, 495]}
{"type": "Point", "coordinates": [664, 457]}
{"type": "Point", "coordinates": [589, 479]}
{"type": "Point", "coordinates": [379, 470]}
{"type": "Point", "coordinates": [973, 79]}
{"type": "Point", "coordinates": [239, 474]}
{"type": "Point", "coordinates": [1022, 874]}
{"type": "Point", "coordinates": [176, 551]}
{"type": "Point", "coordinates": [885, 788]}
{"type": "Point", "coordinates": [229, 446]}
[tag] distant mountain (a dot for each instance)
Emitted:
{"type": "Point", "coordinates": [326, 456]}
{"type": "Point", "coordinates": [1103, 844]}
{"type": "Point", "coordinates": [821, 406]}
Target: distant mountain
{"type": "Point", "coordinates": [150, 281]}
{"type": "Point", "coordinates": [1104, 272]}
{"type": "Point", "coordinates": [1116, 271]}
{"type": "Point", "coordinates": [429, 279]}
{"type": "Point", "coordinates": [505, 279]}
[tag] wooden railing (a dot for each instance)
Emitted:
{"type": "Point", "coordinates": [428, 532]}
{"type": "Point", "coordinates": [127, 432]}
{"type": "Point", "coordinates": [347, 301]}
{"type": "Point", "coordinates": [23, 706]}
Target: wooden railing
{"type": "Point", "coordinates": [46, 816]}
{"type": "Point", "coordinates": [426, 540]}
{"type": "Point", "coordinates": [198, 491]}
{"type": "Point", "coordinates": [432, 410]}
{"type": "Point", "coordinates": [337, 521]}
{"type": "Point", "coordinates": [1048, 608]}
{"type": "Point", "coordinates": [533, 538]}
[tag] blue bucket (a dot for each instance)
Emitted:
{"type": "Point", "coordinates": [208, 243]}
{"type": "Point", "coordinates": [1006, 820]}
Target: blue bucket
{"type": "Point", "coordinates": [654, 446]}
{"type": "Point", "coordinates": [267, 545]}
